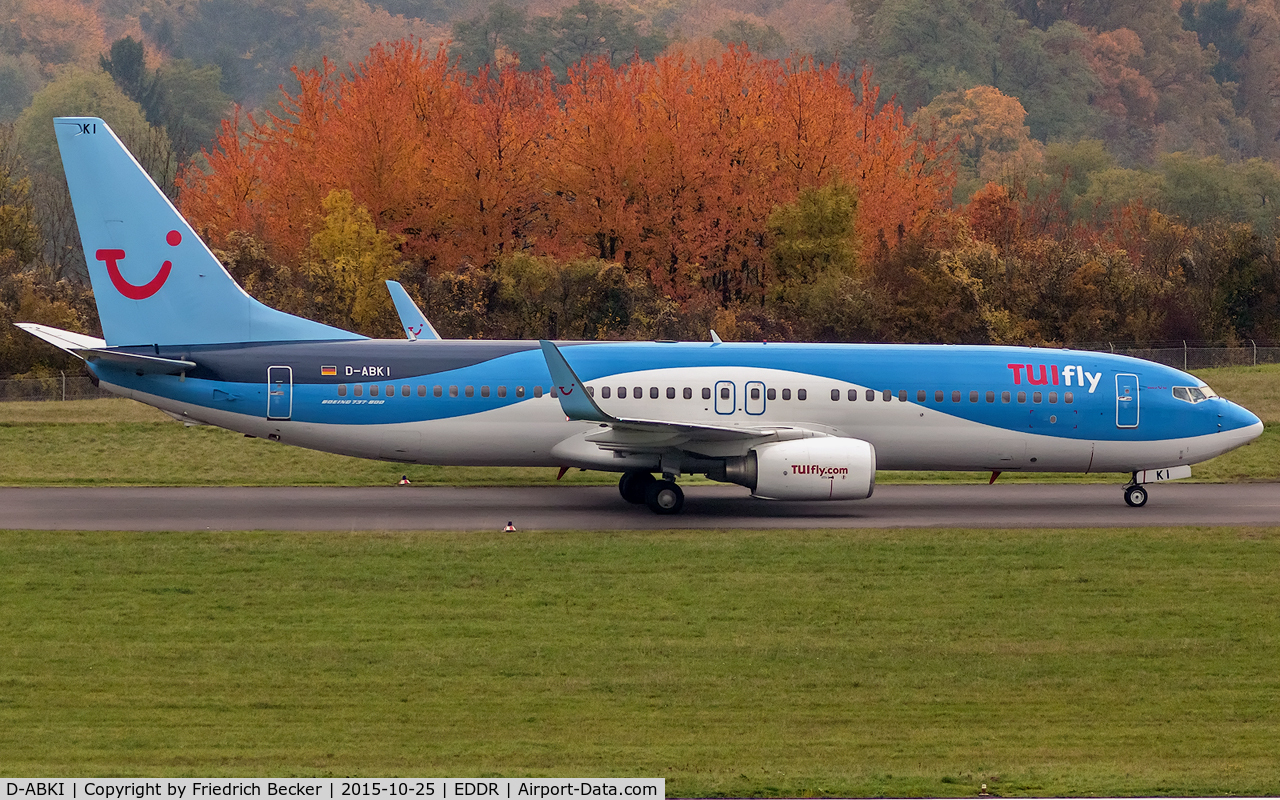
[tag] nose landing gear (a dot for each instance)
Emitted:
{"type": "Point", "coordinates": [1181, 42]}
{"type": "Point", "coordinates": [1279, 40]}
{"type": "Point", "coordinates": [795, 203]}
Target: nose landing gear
{"type": "Point", "coordinates": [1135, 494]}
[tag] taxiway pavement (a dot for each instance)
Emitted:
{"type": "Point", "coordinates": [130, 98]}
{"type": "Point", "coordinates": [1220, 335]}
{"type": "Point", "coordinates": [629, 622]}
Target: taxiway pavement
{"type": "Point", "coordinates": [600, 508]}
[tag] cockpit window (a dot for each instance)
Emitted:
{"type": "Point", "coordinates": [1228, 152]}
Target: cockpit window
{"type": "Point", "coordinates": [1192, 394]}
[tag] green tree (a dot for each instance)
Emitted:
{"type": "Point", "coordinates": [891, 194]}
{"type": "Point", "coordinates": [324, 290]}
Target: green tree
{"type": "Point", "coordinates": [127, 66]}
{"type": "Point", "coordinates": [19, 234]}
{"type": "Point", "coordinates": [762, 39]}
{"type": "Point", "coordinates": [349, 262]}
{"type": "Point", "coordinates": [589, 28]}
{"type": "Point", "coordinates": [78, 93]}
{"type": "Point", "coordinates": [814, 257]}
{"type": "Point", "coordinates": [500, 32]}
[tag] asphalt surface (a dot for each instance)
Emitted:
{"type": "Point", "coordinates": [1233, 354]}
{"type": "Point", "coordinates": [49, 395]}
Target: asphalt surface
{"type": "Point", "coordinates": [601, 508]}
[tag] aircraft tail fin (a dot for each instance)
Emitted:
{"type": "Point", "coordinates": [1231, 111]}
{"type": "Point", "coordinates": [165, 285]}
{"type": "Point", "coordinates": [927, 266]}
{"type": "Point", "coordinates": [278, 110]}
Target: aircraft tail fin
{"type": "Point", "coordinates": [155, 281]}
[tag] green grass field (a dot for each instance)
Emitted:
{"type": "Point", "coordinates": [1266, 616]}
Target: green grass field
{"type": "Point", "coordinates": [119, 442]}
{"type": "Point", "coordinates": [740, 663]}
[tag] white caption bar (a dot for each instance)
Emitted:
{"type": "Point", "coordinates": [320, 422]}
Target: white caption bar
{"type": "Point", "coordinates": [338, 788]}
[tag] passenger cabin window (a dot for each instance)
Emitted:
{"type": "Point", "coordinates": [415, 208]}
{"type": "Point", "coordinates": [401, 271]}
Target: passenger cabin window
{"type": "Point", "coordinates": [920, 395]}
{"type": "Point", "coordinates": [622, 393]}
{"type": "Point", "coordinates": [688, 393]}
{"type": "Point", "coordinates": [706, 393]}
{"type": "Point", "coordinates": [404, 391]}
{"type": "Point", "coordinates": [955, 397]}
{"type": "Point", "coordinates": [637, 392]}
{"type": "Point", "coordinates": [902, 395]}
{"type": "Point", "coordinates": [937, 396]}
{"type": "Point", "coordinates": [991, 397]}
{"type": "Point", "coordinates": [373, 391]}
{"type": "Point", "coordinates": [771, 394]}
{"type": "Point", "coordinates": [605, 392]}
{"type": "Point", "coordinates": [484, 391]}
{"type": "Point", "coordinates": [438, 391]}
{"type": "Point", "coordinates": [453, 391]}
{"type": "Point", "coordinates": [519, 391]}
{"type": "Point", "coordinates": [1068, 398]}
{"type": "Point", "coordinates": [835, 394]}
{"type": "Point", "coordinates": [470, 391]}
{"type": "Point", "coordinates": [591, 391]}
{"type": "Point", "coordinates": [853, 395]}
{"type": "Point", "coordinates": [671, 393]}
{"type": "Point", "coordinates": [755, 392]}
{"type": "Point", "coordinates": [724, 392]}
{"type": "Point", "coordinates": [871, 395]}
{"type": "Point", "coordinates": [1036, 398]}
{"type": "Point", "coordinates": [801, 394]}
{"type": "Point", "coordinates": [653, 392]}
{"type": "Point", "coordinates": [391, 391]}
{"type": "Point", "coordinates": [537, 391]}
{"type": "Point", "coordinates": [888, 395]}
{"type": "Point", "coordinates": [502, 391]}
{"type": "Point", "coordinates": [342, 390]}
{"type": "Point", "coordinates": [786, 394]}
{"type": "Point", "coordinates": [422, 391]}
{"type": "Point", "coordinates": [973, 397]}
{"type": "Point", "coordinates": [1022, 397]}
{"type": "Point", "coordinates": [1004, 397]}
{"type": "Point", "coordinates": [1053, 397]}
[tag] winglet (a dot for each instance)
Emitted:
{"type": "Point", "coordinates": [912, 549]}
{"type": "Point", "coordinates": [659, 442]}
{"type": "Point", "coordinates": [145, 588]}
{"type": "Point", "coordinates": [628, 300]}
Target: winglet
{"type": "Point", "coordinates": [412, 319]}
{"type": "Point", "coordinates": [715, 338]}
{"type": "Point", "coordinates": [574, 400]}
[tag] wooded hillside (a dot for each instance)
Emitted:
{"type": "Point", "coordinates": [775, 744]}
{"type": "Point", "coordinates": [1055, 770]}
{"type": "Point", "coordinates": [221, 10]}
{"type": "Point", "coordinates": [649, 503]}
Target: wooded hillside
{"type": "Point", "coordinates": [1037, 171]}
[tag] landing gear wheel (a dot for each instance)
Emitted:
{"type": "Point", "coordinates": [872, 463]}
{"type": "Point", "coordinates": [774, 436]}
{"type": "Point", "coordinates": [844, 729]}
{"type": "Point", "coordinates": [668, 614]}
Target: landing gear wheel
{"type": "Point", "coordinates": [632, 486]}
{"type": "Point", "coordinates": [1135, 496]}
{"type": "Point", "coordinates": [664, 497]}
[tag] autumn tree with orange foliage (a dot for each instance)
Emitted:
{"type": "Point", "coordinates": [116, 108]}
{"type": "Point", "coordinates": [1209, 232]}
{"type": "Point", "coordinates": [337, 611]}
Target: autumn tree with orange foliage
{"type": "Point", "coordinates": [670, 167]}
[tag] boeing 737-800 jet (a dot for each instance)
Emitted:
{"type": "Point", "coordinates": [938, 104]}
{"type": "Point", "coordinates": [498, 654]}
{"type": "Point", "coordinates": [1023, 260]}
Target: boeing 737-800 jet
{"type": "Point", "coordinates": [788, 421]}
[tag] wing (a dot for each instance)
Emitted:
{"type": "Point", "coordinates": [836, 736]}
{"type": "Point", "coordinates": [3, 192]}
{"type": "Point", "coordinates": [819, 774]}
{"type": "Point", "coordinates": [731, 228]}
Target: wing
{"type": "Point", "coordinates": [634, 435]}
{"type": "Point", "coordinates": [412, 319]}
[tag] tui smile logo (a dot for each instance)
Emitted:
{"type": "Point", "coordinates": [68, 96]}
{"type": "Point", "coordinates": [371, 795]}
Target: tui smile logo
{"type": "Point", "coordinates": [135, 291]}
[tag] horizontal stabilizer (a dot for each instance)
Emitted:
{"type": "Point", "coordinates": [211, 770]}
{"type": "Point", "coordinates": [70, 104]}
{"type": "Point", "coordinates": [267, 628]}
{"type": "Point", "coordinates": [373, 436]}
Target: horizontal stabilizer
{"type": "Point", "coordinates": [63, 340]}
{"type": "Point", "coordinates": [149, 365]}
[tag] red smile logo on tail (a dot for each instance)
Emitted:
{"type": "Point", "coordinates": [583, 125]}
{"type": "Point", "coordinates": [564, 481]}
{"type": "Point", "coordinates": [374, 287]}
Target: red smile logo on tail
{"type": "Point", "coordinates": [133, 291]}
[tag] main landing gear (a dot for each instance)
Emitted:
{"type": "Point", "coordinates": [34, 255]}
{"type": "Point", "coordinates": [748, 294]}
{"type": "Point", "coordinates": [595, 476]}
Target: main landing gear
{"type": "Point", "coordinates": [661, 496]}
{"type": "Point", "coordinates": [1135, 494]}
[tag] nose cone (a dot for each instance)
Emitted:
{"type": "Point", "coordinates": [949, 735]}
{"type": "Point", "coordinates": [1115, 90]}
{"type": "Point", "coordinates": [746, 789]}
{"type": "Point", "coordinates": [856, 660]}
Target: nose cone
{"type": "Point", "coordinates": [1242, 422]}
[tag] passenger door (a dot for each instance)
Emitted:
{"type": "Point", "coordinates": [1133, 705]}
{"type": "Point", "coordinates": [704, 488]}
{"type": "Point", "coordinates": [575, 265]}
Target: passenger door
{"type": "Point", "coordinates": [279, 392]}
{"type": "Point", "coordinates": [1126, 401]}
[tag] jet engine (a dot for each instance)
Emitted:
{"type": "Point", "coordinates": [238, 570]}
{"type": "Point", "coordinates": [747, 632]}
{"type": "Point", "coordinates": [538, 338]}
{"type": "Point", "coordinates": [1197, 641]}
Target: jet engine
{"type": "Point", "coordinates": [828, 468]}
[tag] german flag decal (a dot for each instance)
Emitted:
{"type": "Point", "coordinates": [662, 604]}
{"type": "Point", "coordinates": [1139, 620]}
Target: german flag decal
{"type": "Point", "coordinates": [326, 371]}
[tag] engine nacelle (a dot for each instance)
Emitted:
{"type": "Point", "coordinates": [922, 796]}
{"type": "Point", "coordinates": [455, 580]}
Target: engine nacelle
{"type": "Point", "coordinates": [827, 468]}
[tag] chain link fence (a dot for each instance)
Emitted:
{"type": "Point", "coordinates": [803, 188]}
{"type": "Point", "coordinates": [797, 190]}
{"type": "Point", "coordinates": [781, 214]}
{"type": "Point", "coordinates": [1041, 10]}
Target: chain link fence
{"type": "Point", "coordinates": [60, 387]}
{"type": "Point", "coordinates": [1192, 355]}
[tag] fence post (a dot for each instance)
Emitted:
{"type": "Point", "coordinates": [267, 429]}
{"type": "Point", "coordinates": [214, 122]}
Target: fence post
{"type": "Point", "coordinates": [1255, 352]}
{"type": "Point", "coordinates": [1184, 355]}
{"type": "Point", "coordinates": [64, 385]}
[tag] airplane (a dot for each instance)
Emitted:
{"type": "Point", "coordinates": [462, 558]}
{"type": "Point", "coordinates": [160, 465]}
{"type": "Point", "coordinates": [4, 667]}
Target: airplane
{"type": "Point", "coordinates": [789, 421]}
